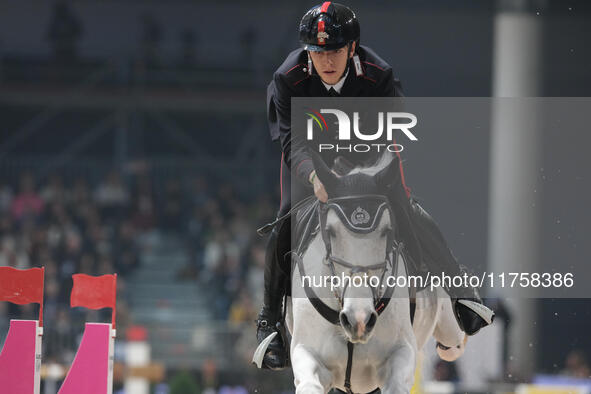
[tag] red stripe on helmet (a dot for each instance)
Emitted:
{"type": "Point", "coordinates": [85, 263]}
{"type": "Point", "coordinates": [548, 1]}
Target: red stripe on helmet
{"type": "Point", "coordinates": [320, 26]}
{"type": "Point", "coordinates": [320, 30]}
{"type": "Point", "coordinates": [324, 7]}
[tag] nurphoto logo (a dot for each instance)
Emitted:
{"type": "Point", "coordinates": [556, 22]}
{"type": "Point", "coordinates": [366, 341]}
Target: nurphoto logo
{"type": "Point", "coordinates": [402, 121]}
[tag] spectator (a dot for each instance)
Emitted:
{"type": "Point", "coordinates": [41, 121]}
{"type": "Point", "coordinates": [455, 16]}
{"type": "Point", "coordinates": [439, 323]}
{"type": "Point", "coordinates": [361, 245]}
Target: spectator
{"type": "Point", "coordinates": [144, 215]}
{"type": "Point", "coordinates": [254, 275]}
{"type": "Point", "coordinates": [172, 214]}
{"type": "Point", "coordinates": [445, 372]}
{"type": "Point", "coordinates": [242, 309]}
{"type": "Point", "coordinates": [125, 251]}
{"type": "Point", "coordinates": [112, 195]}
{"type": "Point", "coordinates": [60, 338]}
{"type": "Point", "coordinates": [5, 198]}
{"type": "Point", "coordinates": [27, 203]}
{"type": "Point", "coordinates": [54, 191]}
{"type": "Point", "coordinates": [576, 365]}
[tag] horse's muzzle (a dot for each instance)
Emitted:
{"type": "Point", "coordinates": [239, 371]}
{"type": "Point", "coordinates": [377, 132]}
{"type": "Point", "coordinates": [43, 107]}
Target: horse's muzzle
{"type": "Point", "coordinates": [358, 325]}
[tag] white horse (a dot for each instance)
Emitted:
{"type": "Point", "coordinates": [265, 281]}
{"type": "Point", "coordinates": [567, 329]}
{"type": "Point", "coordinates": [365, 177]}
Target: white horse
{"type": "Point", "coordinates": [357, 336]}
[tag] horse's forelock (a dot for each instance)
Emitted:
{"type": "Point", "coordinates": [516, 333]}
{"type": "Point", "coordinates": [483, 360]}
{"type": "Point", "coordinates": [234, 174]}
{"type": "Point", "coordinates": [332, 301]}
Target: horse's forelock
{"type": "Point", "coordinates": [355, 184]}
{"type": "Point", "coordinates": [381, 162]}
{"type": "Point", "coordinates": [361, 179]}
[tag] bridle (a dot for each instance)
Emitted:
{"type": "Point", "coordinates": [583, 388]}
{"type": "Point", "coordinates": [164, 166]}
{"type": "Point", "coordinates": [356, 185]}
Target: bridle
{"type": "Point", "coordinates": [361, 214]}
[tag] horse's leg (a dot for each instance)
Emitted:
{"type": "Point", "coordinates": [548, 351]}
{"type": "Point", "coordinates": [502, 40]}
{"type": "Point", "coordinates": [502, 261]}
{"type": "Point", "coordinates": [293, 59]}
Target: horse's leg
{"type": "Point", "coordinates": [425, 318]}
{"type": "Point", "coordinates": [398, 371]}
{"type": "Point", "coordinates": [449, 335]}
{"type": "Point", "coordinates": [310, 375]}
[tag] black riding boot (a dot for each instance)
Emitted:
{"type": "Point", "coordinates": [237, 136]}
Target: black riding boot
{"type": "Point", "coordinates": [270, 315]}
{"type": "Point", "coordinates": [469, 309]}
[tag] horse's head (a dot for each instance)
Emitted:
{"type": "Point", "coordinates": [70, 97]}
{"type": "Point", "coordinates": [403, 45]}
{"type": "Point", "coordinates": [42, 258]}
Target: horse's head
{"type": "Point", "coordinates": [357, 227]}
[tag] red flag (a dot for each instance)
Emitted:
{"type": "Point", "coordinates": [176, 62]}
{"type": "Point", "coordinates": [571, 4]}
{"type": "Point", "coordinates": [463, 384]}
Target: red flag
{"type": "Point", "coordinates": [21, 286]}
{"type": "Point", "coordinates": [94, 292]}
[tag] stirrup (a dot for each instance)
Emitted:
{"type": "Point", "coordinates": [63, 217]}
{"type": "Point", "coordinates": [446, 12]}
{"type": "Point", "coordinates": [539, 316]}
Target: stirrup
{"type": "Point", "coordinates": [259, 353]}
{"type": "Point", "coordinates": [266, 345]}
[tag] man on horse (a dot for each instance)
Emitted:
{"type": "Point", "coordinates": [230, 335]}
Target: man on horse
{"type": "Point", "coordinates": [332, 63]}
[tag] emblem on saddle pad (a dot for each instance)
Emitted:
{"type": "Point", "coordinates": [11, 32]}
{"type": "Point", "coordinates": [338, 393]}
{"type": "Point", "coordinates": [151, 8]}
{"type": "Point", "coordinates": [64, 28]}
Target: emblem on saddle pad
{"type": "Point", "coordinates": [360, 216]}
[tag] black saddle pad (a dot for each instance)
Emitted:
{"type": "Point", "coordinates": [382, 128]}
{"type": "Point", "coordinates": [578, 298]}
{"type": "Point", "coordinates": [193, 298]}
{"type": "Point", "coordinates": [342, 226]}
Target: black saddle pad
{"type": "Point", "coordinates": [306, 225]}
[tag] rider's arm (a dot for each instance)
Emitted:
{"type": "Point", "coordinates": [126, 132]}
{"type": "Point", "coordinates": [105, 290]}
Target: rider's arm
{"type": "Point", "coordinates": [388, 86]}
{"type": "Point", "coordinates": [293, 145]}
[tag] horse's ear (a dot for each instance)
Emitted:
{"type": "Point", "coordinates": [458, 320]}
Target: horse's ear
{"type": "Point", "coordinates": [326, 176]}
{"type": "Point", "coordinates": [388, 175]}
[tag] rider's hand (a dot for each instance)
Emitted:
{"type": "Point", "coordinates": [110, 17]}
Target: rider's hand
{"type": "Point", "coordinates": [319, 190]}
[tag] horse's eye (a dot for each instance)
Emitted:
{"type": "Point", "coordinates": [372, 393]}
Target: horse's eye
{"type": "Point", "coordinates": [386, 231]}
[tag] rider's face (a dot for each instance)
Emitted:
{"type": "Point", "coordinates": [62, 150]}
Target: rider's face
{"type": "Point", "coordinates": [330, 65]}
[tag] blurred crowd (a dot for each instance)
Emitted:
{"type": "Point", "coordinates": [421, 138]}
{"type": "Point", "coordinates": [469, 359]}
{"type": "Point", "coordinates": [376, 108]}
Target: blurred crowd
{"type": "Point", "coordinates": [67, 228]}
{"type": "Point", "coordinates": [227, 255]}
{"type": "Point", "coordinates": [76, 226]}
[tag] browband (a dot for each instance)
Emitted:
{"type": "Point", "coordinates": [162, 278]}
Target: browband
{"type": "Point", "coordinates": [360, 214]}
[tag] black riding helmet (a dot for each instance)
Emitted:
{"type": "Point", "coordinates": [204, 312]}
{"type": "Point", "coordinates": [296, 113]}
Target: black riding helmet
{"type": "Point", "coordinates": [328, 26]}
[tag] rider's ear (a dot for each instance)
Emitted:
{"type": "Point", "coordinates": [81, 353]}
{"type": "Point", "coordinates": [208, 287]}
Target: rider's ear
{"type": "Point", "coordinates": [352, 50]}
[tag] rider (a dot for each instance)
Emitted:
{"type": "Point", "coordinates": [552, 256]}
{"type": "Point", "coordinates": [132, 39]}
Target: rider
{"type": "Point", "coordinates": [332, 63]}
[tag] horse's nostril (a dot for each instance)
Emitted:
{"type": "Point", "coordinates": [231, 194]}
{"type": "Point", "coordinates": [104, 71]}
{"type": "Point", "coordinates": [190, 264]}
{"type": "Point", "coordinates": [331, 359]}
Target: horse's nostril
{"type": "Point", "coordinates": [373, 318]}
{"type": "Point", "coordinates": [344, 321]}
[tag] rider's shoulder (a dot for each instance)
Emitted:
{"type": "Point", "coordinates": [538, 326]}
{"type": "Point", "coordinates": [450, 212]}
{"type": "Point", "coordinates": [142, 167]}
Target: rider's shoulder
{"type": "Point", "coordinates": [293, 69]}
{"type": "Point", "coordinates": [373, 65]}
